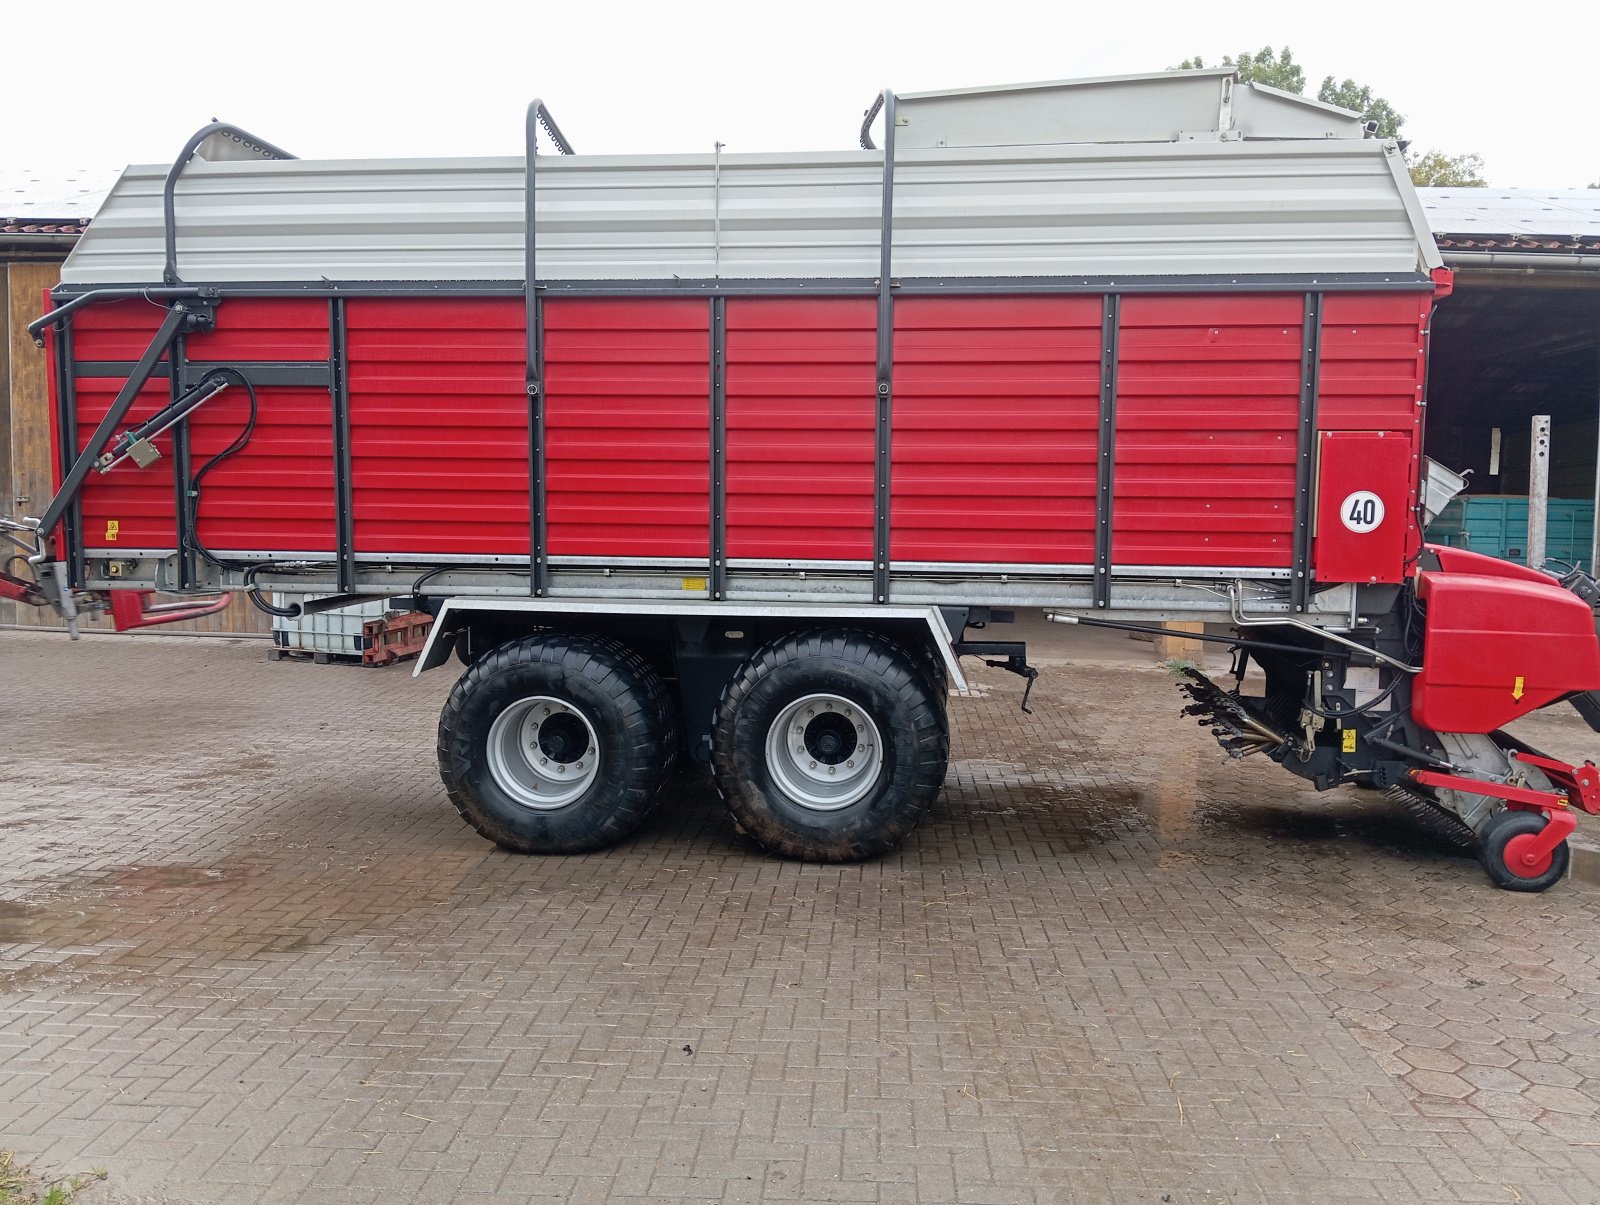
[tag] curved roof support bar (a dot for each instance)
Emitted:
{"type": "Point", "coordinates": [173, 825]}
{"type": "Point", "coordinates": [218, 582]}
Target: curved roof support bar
{"type": "Point", "coordinates": [169, 204]}
{"type": "Point", "coordinates": [538, 117]}
{"type": "Point", "coordinates": [866, 122]}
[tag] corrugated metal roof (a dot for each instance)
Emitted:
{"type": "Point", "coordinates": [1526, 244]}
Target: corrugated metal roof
{"type": "Point", "coordinates": [1164, 106]}
{"type": "Point", "coordinates": [1521, 219]}
{"type": "Point", "coordinates": [1304, 206]}
{"type": "Point", "coordinates": [1001, 202]}
{"type": "Point", "coordinates": [32, 200]}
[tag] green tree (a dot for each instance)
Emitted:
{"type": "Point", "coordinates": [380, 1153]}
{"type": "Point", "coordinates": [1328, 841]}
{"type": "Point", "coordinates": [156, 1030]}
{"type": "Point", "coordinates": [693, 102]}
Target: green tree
{"type": "Point", "coordinates": [1274, 68]}
{"type": "Point", "coordinates": [1351, 95]}
{"type": "Point", "coordinates": [1438, 170]}
{"type": "Point", "coordinates": [1277, 69]}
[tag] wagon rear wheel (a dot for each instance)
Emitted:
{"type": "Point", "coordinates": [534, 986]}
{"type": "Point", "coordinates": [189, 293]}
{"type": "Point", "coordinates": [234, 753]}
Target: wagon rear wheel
{"type": "Point", "coordinates": [830, 745]}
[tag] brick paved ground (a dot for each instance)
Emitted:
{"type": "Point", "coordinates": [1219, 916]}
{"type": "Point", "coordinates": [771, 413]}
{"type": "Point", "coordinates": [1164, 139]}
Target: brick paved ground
{"type": "Point", "coordinates": [248, 953]}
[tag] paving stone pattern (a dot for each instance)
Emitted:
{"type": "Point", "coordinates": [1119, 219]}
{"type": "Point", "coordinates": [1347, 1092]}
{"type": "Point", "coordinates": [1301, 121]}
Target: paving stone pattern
{"type": "Point", "coordinates": [249, 953]}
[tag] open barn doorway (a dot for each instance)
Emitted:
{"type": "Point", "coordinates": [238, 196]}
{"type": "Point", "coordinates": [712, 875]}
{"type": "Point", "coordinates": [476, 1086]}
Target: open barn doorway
{"type": "Point", "coordinates": [1507, 345]}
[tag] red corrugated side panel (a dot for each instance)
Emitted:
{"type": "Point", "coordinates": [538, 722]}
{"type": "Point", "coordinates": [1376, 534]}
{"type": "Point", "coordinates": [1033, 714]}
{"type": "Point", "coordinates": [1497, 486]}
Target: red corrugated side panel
{"type": "Point", "coordinates": [129, 506]}
{"type": "Point", "coordinates": [996, 409]}
{"type": "Point", "coordinates": [1374, 356]}
{"type": "Point", "coordinates": [58, 540]}
{"type": "Point", "coordinates": [264, 328]}
{"type": "Point", "coordinates": [1208, 391]}
{"type": "Point", "coordinates": [438, 425]}
{"type": "Point", "coordinates": [627, 427]}
{"type": "Point", "coordinates": [275, 494]}
{"type": "Point", "coordinates": [801, 376]}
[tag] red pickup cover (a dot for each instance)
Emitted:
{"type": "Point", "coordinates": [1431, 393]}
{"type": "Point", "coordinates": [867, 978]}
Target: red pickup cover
{"type": "Point", "coordinates": [1502, 641]}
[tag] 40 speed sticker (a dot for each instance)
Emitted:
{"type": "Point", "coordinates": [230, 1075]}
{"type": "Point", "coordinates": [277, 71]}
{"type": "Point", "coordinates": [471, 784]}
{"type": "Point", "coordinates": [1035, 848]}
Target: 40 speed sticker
{"type": "Point", "coordinates": [1362, 511]}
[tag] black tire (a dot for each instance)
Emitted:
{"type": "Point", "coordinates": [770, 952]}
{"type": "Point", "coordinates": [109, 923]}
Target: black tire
{"type": "Point", "coordinates": [1507, 871]}
{"type": "Point", "coordinates": [867, 698]}
{"type": "Point", "coordinates": [934, 670]}
{"type": "Point", "coordinates": [595, 695]}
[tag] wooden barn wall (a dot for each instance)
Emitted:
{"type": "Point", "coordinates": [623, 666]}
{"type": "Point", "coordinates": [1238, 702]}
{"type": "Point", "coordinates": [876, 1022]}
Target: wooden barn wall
{"type": "Point", "coordinates": [25, 444]}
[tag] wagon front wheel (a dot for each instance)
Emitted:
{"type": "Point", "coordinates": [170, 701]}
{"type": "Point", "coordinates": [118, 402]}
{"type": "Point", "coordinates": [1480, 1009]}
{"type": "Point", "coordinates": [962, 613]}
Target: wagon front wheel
{"type": "Point", "coordinates": [556, 743]}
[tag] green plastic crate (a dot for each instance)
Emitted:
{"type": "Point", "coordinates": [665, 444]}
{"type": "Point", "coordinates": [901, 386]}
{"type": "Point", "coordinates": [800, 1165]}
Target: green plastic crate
{"type": "Point", "coordinates": [1497, 525]}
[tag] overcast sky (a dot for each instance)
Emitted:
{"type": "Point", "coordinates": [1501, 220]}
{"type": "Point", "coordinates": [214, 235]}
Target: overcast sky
{"type": "Point", "coordinates": [104, 84]}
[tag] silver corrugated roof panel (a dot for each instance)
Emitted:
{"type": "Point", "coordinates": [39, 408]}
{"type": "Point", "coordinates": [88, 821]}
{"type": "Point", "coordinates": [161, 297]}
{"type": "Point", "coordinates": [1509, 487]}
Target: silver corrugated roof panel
{"type": "Point", "coordinates": [29, 195]}
{"type": "Point", "coordinates": [1559, 213]}
{"type": "Point", "coordinates": [1311, 206]}
{"type": "Point", "coordinates": [1161, 106]}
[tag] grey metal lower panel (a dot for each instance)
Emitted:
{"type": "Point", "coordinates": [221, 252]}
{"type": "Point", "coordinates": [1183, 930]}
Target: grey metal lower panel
{"type": "Point", "coordinates": [1178, 593]}
{"type": "Point", "coordinates": [438, 558]}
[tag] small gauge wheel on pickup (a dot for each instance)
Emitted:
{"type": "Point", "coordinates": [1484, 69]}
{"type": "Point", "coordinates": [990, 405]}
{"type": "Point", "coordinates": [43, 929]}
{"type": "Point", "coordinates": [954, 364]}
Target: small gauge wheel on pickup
{"type": "Point", "coordinates": [1508, 857]}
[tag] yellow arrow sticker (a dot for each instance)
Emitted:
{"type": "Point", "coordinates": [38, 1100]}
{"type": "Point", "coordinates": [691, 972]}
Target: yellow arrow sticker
{"type": "Point", "coordinates": [1517, 691]}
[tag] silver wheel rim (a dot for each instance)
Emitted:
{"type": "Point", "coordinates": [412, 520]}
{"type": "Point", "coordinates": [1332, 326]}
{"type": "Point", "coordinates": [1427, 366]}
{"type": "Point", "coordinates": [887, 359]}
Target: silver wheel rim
{"type": "Point", "coordinates": [543, 752]}
{"type": "Point", "coordinates": [824, 752]}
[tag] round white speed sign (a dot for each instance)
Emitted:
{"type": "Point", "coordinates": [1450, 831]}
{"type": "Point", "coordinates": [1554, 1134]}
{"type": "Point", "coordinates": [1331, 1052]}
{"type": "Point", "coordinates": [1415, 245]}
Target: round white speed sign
{"type": "Point", "coordinates": [1362, 511]}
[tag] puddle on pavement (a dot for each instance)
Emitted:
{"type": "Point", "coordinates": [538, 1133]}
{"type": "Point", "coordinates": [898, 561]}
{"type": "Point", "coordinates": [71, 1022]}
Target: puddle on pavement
{"type": "Point", "coordinates": [14, 920]}
{"type": "Point", "coordinates": [109, 925]}
{"type": "Point", "coordinates": [1186, 805]}
{"type": "Point", "coordinates": [985, 787]}
{"type": "Point", "coordinates": [154, 878]}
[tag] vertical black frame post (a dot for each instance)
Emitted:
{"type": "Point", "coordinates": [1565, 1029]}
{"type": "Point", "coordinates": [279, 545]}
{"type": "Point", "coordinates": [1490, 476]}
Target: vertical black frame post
{"type": "Point", "coordinates": [534, 378]}
{"type": "Point", "coordinates": [884, 428]}
{"type": "Point", "coordinates": [719, 449]}
{"type": "Point", "coordinates": [182, 469]}
{"type": "Point", "coordinates": [344, 494]}
{"type": "Point", "coordinates": [67, 426]}
{"type": "Point", "coordinates": [1106, 447]}
{"type": "Point", "coordinates": [1306, 452]}
{"type": "Point", "coordinates": [538, 534]}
